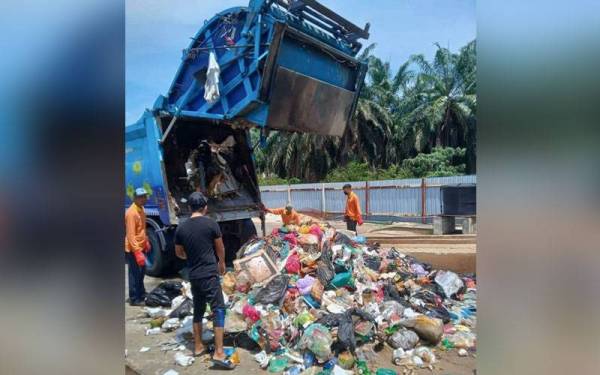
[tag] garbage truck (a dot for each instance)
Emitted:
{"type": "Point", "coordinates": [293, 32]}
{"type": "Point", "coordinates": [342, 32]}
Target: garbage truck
{"type": "Point", "coordinates": [284, 65]}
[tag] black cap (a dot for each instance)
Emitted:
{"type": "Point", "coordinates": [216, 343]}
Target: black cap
{"type": "Point", "coordinates": [346, 186]}
{"type": "Point", "coordinates": [197, 201]}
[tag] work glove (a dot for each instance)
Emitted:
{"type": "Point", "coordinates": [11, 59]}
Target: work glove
{"type": "Point", "coordinates": [140, 258]}
{"type": "Point", "coordinates": [147, 246]}
{"type": "Point", "coordinates": [360, 220]}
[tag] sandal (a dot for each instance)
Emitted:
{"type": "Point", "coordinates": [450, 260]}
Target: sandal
{"type": "Point", "coordinates": [224, 363]}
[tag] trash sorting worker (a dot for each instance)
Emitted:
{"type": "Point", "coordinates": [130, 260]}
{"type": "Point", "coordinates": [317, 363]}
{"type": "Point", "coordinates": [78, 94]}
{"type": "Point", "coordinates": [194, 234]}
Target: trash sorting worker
{"type": "Point", "coordinates": [287, 213]}
{"type": "Point", "coordinates": [199, 241]}
{"type": "Point", "coordinates": [353, 214]}
{"type": "Point", "coordinates": [136, 244]}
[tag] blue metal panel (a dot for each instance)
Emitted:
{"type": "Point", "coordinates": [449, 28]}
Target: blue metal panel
{"type": "Point", "coordinates": [395, 201]}
{"type": "Point", "coordinates": [388, 198]}
{"type": "Point", "coordinates": [306, 200]}
{"type": "Point", "coordinates": [241, 39]}
{"type": "Point", "coordinates": [143, 167]}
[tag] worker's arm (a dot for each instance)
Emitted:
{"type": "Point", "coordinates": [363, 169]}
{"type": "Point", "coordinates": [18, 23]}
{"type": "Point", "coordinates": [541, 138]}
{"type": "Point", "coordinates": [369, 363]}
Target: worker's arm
{"type": "Point", "coordinates": [180, 252]}
{"type": "Point", "coordinates": [220, 251]}
{"type": "Point", "coordinates": [275, 211]}
{"type": "Point", "coordinates": [132, 238]}
{"type": "Point", "coordinates": [357, 206]}
{"type": "Point", "coordinates": [297, 220]}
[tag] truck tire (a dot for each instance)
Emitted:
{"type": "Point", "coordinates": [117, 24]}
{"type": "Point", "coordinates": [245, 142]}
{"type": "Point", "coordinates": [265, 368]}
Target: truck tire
{"type": "Point", "coordinates": [157, 261]}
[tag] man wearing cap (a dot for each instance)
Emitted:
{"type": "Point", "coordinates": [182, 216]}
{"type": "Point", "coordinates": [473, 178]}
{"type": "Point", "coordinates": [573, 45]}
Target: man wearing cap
{"type": "Point", "coordinates": [287, 213]}
{"type": "Point", "coordinates": [352, 215]}
{"type": "Point", "coordinates": [198, 240]}
{"type": "Point", "coordinates": [136, 243]}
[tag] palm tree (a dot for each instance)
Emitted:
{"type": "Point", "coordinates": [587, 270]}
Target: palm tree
{"type": "Point", "coordinates": [441, 105]}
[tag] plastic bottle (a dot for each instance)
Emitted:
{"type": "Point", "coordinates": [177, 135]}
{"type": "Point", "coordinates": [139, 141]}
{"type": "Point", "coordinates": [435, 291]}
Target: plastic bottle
{"type": "Point", "coordinates": [278, 364]}
{"type": "Point", "coordinates": [362, 368]}
{"type": "Point", "coordinates": [385, 371]}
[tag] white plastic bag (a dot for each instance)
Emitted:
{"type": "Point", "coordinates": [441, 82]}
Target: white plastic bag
{"type": "Point", "coordinates": [183, 360]}
{"type": "Point", "coordinates": [449, 281]}
{"type": "Point", "coordinates": [211, 87]}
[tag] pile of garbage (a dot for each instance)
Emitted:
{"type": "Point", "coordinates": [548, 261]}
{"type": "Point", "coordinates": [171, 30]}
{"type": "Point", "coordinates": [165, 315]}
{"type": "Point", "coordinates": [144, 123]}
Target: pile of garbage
{"type": "Point", "coordinates": [316, 300]}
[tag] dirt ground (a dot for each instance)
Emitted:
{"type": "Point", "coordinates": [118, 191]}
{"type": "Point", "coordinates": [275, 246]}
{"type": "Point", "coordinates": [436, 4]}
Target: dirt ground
{"type": "Point", "coordinates": [157, 362]}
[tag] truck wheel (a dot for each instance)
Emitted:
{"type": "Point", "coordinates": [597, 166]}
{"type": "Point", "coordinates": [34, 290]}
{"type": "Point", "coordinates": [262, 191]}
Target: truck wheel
{"type": "Point", "coordinates": [156, 259]}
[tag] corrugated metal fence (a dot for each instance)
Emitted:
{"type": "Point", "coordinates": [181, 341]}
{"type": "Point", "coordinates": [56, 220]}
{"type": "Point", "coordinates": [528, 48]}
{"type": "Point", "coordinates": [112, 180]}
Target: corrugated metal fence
{"type": "Point", "coordinates": [391, 198]}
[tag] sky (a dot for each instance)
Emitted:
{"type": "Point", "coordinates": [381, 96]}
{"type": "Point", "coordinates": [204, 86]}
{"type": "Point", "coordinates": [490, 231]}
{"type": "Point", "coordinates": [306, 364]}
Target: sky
{"type": "Point", "coordinates": [158, 30]}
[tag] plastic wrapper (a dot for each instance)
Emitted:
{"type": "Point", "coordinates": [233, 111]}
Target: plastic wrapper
{"type": "Point", "coordinates": [292, 264]}
{"type": "Point", "coordinates": [317, 339]}
{"type": "Point", "coordinates": [228, 283]}
{"type": "Point", "coordinates": [428, 329]}
{"type": "Point", "coordinates": [184, 309]}
{"type": "Point", "coordinates": [251, 313]}
{"type": "Point", "coordinates": [462, 340]}
{"type": "Point", "coordinates": [404, 339]}
{"type": "Point", "coordinates": [449, 282]}
{"type": "Point", "coordinates": [392, 311]}
{"type": "Point", "coordinates": [305, 284]}
{"type": "Point", "coordinates": [234, 322]}
{"type": "Point", "coordinates": [342, 279]}
{"type": "Point", "coordinates": [273, 292]}
{"type": "Point", "coordinates": [316, 291]}
{"type": "Point", "coordinates": [243, 282]}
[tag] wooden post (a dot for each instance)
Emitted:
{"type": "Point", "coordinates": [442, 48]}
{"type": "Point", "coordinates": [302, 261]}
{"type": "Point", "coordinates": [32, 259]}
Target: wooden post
{"type": "Point", "coordinates": [289, 194]}
{"type": "Point", "coordinates": [423, 200]}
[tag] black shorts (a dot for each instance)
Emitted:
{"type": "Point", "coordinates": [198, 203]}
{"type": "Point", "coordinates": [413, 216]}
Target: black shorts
{"type": "Point", "coordinates": [350, 224]}
{"type": "Point", "coordinates": [207, 290]}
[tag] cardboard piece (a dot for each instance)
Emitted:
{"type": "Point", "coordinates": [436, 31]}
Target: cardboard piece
{"type": "Point", "coordinates": [259, 266]}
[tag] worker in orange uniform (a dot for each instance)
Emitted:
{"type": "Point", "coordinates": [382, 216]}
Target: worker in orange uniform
{"type": "Point", "coordinates": [288, 214]}
{"type": "Point", "coordinates": [353, 214]}
{"type": "Point", "coordinates": [136, 244]}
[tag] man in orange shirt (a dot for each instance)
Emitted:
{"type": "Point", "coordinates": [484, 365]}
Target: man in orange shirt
{"type": "Point", "coordinates": [288, 214]}
{"type": "Point", "coordinates": [136, 243]}
{"type": "Point", "coordinates": [352, 215]}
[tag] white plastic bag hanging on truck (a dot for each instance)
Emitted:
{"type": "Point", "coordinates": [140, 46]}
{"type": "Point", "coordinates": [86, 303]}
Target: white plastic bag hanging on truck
{"type": "Point", "coordinates": [211, 87]}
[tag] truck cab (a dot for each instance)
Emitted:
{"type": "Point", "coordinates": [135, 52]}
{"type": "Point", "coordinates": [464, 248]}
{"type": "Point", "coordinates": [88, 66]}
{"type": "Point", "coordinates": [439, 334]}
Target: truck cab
{"type": "Point", "coordinates": [282, 65]}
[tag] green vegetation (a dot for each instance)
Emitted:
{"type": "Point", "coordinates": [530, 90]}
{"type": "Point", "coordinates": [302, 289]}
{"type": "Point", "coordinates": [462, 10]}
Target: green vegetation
{"type": "Point", "coordinates": [418, 122]}
{"type": "Point", "coordinates": [440, 162]}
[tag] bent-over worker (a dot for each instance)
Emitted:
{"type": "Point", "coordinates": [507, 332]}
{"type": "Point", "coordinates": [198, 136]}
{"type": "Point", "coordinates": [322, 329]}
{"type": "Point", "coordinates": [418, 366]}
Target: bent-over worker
{"type": "Point", "coordinates": [353, 214]}
{"type": "Point", "coordinates": [287, 213]}
{"type": "Point", "coordinates": [136, 243]}
{"type": "Point", "coordinates": [198, 240]}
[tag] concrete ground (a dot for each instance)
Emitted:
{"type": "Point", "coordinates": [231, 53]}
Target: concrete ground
{"type": "Point", "coordinates": [157, 362]}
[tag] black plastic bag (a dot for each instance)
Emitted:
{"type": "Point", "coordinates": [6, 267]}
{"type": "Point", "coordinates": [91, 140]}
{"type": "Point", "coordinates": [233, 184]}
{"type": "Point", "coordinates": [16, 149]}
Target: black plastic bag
{"type": "Point", "coordinates": [372, 262]}
{"type": "Point", "coordinates": [273, 292]}
{"type": "Point", "coordinates": [343, 321]}
{"type": "Point", "coordinates": [163, 294]}
{"type": "Point", "coordinates": [391, 293]}
{"type": "Point", "coordinates": [325, 268]}
{"type": "Point", "coordinates": [341, 239]}
{"type": "Point", "coordinates": [184, 309]}
{"type": "Point", "coordinates": [158, 297]}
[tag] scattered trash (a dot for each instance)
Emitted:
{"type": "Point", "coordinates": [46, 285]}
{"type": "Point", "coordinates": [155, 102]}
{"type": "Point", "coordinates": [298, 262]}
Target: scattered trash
{"type": "Point", "coordinates": [153, 331]}
{"type": "Point", "coordinates": [309, 298]}
{"type": "Point", "coordinates": [449, 281]}
{"type": "Point", "coordinates": [144, 349]}
{"type": "Point", "coordinates": [403, 339]}
{"type": "Point", "coordinates": [183, 359]}
{"type": "Point", "coordinates": [171, 372]}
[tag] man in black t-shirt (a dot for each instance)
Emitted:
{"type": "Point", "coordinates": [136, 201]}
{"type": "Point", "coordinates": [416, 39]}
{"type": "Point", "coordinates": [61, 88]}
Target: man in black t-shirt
{"type": "Point", "coordinates": [198, 240]}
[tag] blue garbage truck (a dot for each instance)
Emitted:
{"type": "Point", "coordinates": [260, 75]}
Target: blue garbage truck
{"type": "Point", "coordinates": [285, 65]}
